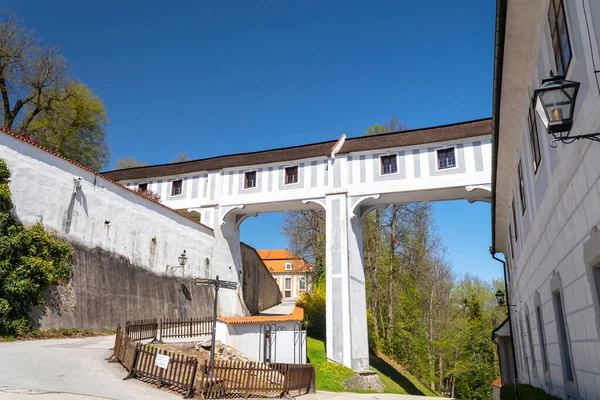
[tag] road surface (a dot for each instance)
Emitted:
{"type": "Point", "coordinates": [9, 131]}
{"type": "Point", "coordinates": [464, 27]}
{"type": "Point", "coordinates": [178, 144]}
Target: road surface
{"type": "Point", "coordinates": [75, 369]}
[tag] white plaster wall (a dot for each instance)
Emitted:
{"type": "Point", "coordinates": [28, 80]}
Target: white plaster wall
{"type": "Point", "coordinates": [42, 187]}
{"type": "Point", "coordinates": [247, 338]}
{"type": "Point", "coordinates": [563, 206]}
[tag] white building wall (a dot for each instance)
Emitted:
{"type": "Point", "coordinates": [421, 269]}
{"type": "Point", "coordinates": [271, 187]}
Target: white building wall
{"type": "Point", "coordinates": [249, 340]}
{"type": "Point", "coordinates": [106, 215]}
{"type": "Point", "coordinates": [563, 207]}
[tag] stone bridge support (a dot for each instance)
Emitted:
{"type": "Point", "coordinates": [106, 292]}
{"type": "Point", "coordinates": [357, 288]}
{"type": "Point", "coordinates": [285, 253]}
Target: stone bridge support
{"type": "Point", "coordinates": [347, 333]}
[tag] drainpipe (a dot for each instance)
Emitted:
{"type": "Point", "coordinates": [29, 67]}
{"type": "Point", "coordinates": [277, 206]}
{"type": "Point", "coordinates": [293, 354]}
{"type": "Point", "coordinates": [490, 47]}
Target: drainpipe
{"type": "Point", "coordinates": [512, 336]}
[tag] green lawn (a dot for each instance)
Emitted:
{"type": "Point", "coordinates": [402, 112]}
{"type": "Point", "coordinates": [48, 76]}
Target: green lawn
{"type": "Point", "coordinates": [331, 375]}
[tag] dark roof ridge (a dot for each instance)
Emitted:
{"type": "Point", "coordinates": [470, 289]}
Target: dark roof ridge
{"type": "Point", "coordinates": [321, 149]}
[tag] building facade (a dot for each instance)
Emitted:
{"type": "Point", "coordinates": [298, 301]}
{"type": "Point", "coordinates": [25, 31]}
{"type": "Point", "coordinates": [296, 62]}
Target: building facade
{"type": "Point", "coordinates": [546, 193]}
{"type": "Point", "coordinates": [291, 272]}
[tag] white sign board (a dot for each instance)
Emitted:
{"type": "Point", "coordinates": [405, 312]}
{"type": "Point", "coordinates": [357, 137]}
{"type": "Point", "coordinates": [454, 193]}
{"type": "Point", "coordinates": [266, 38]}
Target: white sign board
{"type": "Point", "coordinates": [162, 361]}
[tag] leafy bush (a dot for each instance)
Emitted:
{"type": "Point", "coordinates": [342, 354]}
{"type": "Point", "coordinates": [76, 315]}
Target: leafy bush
{"type": "Point", "coordinates": [31, 260]}
{"type": "Point", "coordinates": [314, 310]}
{"type": "Point", "coordinates": [526, 392]}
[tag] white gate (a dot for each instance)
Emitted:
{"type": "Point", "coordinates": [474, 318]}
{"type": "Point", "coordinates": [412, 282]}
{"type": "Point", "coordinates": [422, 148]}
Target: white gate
{"type": "Point", "coordinates": [280, 344]}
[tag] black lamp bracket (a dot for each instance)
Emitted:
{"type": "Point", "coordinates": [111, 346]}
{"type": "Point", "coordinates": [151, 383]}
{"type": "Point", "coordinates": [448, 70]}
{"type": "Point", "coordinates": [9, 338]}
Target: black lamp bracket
{"type": "Point", "coordinates": [564, 137]}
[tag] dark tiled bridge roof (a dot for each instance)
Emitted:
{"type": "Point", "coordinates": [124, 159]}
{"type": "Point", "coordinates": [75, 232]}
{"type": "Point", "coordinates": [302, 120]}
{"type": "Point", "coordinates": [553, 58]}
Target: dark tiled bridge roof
{"type": "Point", "coordinates": [364, 143]}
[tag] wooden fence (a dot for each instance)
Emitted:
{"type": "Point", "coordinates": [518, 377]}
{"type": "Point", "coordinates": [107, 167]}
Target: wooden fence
{"type": "Point", "coordinates": [237, 378]}
{"type": "Point", "coordinates": [179, 374]}
{"type": "Point", "coordinates": [185, 375]}
{"type": "Point", "coordinates": [185, 327]}
{"type": "Point", "coordinates": [141, 329]}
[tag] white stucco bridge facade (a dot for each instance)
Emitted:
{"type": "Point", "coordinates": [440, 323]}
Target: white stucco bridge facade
{"type": "Point", "coordinates": [347, 179]}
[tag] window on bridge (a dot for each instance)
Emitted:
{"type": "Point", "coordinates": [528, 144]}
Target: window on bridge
{"type": "Point", "coordinates": [291, 175]}
{"type": "Point", "coordinates": [446, 158]}
{"type": "Point", "coordinates": [176, 187]}
{"type": "Point", "coordinates": [142, 187]}
{"type": "Point", "coordinates": [250, 179]}
{"type": "Point", "coordinates": [388, 165]}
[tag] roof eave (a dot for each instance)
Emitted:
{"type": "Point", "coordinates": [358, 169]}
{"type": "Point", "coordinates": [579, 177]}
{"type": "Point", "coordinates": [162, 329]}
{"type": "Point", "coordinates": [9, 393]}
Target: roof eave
{"type": "Point", "coordinates": [496, 97]}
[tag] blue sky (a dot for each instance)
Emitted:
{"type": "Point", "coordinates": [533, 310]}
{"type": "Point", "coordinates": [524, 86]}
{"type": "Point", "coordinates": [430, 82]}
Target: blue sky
{"type": "Point", "coordinates": [221, 77]}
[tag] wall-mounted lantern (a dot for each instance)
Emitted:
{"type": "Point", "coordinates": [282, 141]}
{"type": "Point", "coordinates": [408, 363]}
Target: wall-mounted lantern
{"type": "Point", "coordinates": [182, 259]}
{"type": "Point", "coordinates": [500, 297]}
{"type": "Point", "coordinates": [555, 104]}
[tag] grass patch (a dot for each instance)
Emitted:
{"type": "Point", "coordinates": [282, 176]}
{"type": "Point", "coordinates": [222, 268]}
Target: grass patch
{"type": "Point", "coordinates": [59, 333]}
{"type": "Point", "coordinates": [331, 375]}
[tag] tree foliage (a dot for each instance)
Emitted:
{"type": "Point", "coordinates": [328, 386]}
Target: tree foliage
{"type": "Point", "coordinates": [180, 157]}
{"type": "Point", "coordinates": [74, 127]}
{"type": "Point", "coordinates": [39, 96]}
{"type": "Point", "coordinates": [31, 260]}
{"type": "Point", "coordinates": [129, 162]}
{"type": "Point", "coordinates": [418, 312]}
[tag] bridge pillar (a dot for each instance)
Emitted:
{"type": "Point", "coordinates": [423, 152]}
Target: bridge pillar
{"type": "Point", "coordinates": [347, 335]}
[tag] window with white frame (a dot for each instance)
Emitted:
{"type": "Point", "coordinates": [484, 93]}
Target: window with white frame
{"type": "Point", "coordinates": [530, 337]}
{"type": "Point", "coordinates": [291, 175]}
{"type": "Point", "coordinates": [142, 187]}
{"type": "Point", "coordinates": [559, 33]}
{"type": "Point", "coordinates": [522, 188]}
{"type": "Point", "coordinates": [563, 341]}
{"type": "Point", "coordinates": [388, 164]}
{"type": "Point", "coordinates": [302, 284]}
{"type": "Point", "coordinates": [250, 179]}
{"type": "Point", "coordinates": [446, 158]}
{"type": "Point", "coordinates": [176, 187]}
{"type": "Point", "coordinates": [534, 139]}
{"type": "Point", "coordinates": [288, 284]}
{"type": "Point", "coordinates": [288, 266]}
{"type": "Point", "coordinates": [538, 317]}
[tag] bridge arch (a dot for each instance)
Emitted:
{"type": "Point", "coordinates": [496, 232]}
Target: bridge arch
{"type": "Point", "coordinates": [347, 178]}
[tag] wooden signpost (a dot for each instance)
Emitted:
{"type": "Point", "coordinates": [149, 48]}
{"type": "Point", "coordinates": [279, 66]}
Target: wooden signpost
{"type": "Point", "coordinates": [217, 284]}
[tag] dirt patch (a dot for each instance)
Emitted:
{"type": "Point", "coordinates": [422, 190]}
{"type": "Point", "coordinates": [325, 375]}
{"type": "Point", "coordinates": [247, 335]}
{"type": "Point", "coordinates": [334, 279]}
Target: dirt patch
{"type": "Point", "coordinates": [223, 352]}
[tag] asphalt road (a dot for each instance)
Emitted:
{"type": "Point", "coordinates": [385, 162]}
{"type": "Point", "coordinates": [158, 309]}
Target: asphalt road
{"type": "Point", "coordinates": [68, 369]}
{"type": "Point", "coordinates": [75, 369]}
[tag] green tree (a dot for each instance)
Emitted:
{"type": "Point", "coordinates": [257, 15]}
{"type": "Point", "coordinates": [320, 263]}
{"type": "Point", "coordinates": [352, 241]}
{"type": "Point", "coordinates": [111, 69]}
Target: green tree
{"type": "Point", "coordinates": [74, 128]}
{"type": "Point", "coordinates": [31, 260]}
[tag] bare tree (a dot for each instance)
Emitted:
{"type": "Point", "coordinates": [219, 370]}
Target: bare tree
{"type": "Point", "coordinates": [32, 77]}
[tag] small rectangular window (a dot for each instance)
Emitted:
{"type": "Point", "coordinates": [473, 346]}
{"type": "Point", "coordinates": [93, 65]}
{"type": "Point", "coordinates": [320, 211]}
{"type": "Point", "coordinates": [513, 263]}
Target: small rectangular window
{"type": "Point", "coordinates": [560, 36]}
{"type": "Point", "coordinates": [533, 362]}
{"type": "Point", "coordinates": [142, 187]}
{"type": "Point", "coordinates": [291, 175]}
{"type": "Point", "coordinates": [538, 315]}
{"type": "Point", "coordinates": [176, 187]}
{"type": "Point", "coordinates": [512, 253]}
{"type": "Point", "coordinates": [288, 266]}
{"type": "Point", "coordinates": [302, 284]}
{"type": "Point", "coordinates": [535, 140]}
{"type": "Point", "coordinates": [522, 188]}
{"type": "Point", "coordinates": [524, 346]}
{"type": "Point", "coordinates": [563, 340]}
{"type": "Point", "coordinates": [514, 212]}
{"type": "Point", "coordinates": [446, 158]}
{"type": "Point", "coordinates": [388, 165]}
{"type": "Point", "coordinates": [250, 179]}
